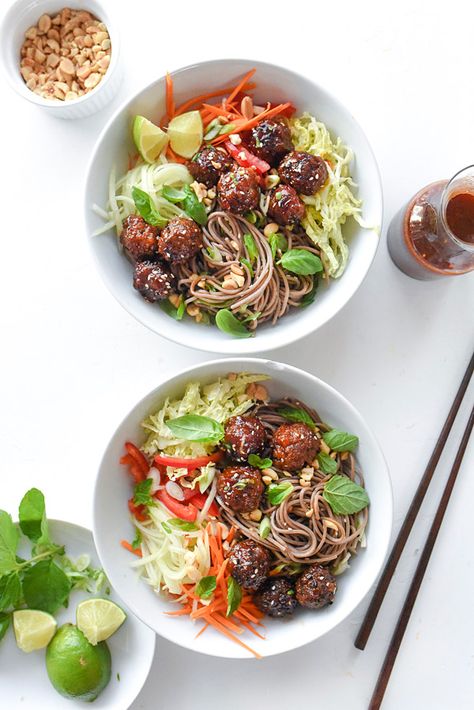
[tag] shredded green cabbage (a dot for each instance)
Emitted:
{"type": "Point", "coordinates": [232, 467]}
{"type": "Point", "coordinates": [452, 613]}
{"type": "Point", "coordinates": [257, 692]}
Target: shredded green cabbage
{"type": "Point", "coordinates": [219, 400]}
{"type": "Point", "coordinates": [327, 210]}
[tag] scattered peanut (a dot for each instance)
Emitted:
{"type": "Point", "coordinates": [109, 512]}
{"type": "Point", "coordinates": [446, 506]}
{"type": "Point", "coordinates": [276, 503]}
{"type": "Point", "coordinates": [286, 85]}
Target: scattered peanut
{"type": "Point", "coordinates": [273, 475]}
{"type": "Point", "coordinates": [256, 391]}
{"type": "Point", "coordinates": [324, 447]}
{"type": "Point", "coordinates": [271, 228]}
{"type": "Point", "coordinates": [246, 108]}
{"type": "Point", "coordinates": [174, 299]}
{"type": "Point", "coordinates": [193, 310]}
{"type": "Point", "coordinates": [267, 480]}
{"type": "Point", "coordinates": [66, 55]}
{"type": "Point", "coordinates": [256, 515]}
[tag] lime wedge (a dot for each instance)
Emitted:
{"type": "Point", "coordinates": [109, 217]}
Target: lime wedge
{"type": "Point", "coordinates": [185, 133]}
{"type": "Point", "coordinates": [149, 139]}
{"type": "Point", "coordinates": [98, 619]}
{"type": "Point", "coordinates": [33, 629]}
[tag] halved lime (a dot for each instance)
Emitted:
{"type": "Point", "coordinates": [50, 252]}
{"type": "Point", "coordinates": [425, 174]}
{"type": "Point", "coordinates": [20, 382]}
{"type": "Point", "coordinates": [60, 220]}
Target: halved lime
{"type": "Point", "coordinates": [33, 629]}
{"type": "Point", "coordinates": [76, 668]}
{"type": "Point", "coordinates": [185, 133]}
{"type": "Point", "coordinates": [149, 139]}
{"type": "Point", "coordinates": [98, 619]}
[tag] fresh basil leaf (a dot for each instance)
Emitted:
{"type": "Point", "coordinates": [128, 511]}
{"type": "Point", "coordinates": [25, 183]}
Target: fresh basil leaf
{"type": "Point", "coordinates": [10, 591]}
{"type": "Point", "coordinates": [251, 246]}
{"type": "Point", "coordinates": [206, 586]}
{"type": "Point", "coordinates": [228, 323]}
{"type": "Point", "coordinates": [344, 496]}
{"type": "Point", "coordinates": [8, 543]}
{"type": "Point", "coordinates": [295, 414]}
{"type": "Point", "coordinates": [255, 460]}
{"type": "Point", "coordinates": [309, 297]}
{"type": "Point", "coordinates": [147, 209]}
{"type": "Point", "coordinates": [234, 596]}
{"type": "Point", "coordinates": [277, 492]}
{"type": "Point", "coordinates": [137, 540]}
{"type": "Point", "coordinates": [166, 528]}
{"type": "Point", "coordinates": [193, 207]}
{"type": "Point", "coordinates": [4, 624]}
{"type": "Point", "coordinates": [32, 516]}
{"type": "Point", "coordinates": [46, 586]}
{"type": "Point", "coordinates": [170, 310]}
{"type": "Point", "coordinates": [142, 494]}
{"type": "Point", "coordinates": [182, 524]}
{"type": "Point", "coordinates": [326, 463]}
{"type": "Point", "coordinates": [193, 427]}
{"type": "Point", "coordinates": [301, 261]}
{"type": "Point", "coordinates": [277, 242]}
{"type": "Point", "coordinates": [247, 263]}
{"type": "Point", "coordinates": [340, 440]}
{"type": "Point", "coordinates": [173, 194]}
{"type": "Point", "coordinates": [265, 527]}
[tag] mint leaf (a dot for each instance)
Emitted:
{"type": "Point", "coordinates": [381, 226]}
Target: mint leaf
{"type": "Point", "coordinates": [10, 591]}
{"type": "Point", "coordinates": [142, 495]}
{"type": "Point", "coordinates": [277, 492]}
{"type": "Point", "coordinates": [137, 540]}
{"type": "Point", "coordinates": [251, 246]}
{"type": "Point", "coordinates": [255, 460]}
{"type": "Point", "coordinates": [295, 414]}
{"type": "Point", "coordinates": [234, 596]}
{"type": "Point", "coordinates": [9, 536]}
{"type": "Point", "coordinates": [326, 463]}
{"type": "Point", "coordinates": [46, 586]}
{"type": "Point", "coordinates": [206, 586]}
{"type": "Point", "coordinates": [340, 440]}
{"type": "Point", "coordinates": [344, 496]}
{"type": "Point", "coordinates": [4, 624]}
{"type": "Point", "coordinates": [32, 516]}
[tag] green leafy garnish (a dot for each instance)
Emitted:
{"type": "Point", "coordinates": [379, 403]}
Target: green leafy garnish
{"type": "Point", "coordinates": [309, 297]}
{"type": "Point", "coordinates": [255, 460]}
{"type": "Point", "coordinates": [146, 208]}
{"type": "Point", "coordinates": [251, 246]}
{"type": "Point", "coordinates": [172, 311]}
{"type": "Point", "coordinates": [344, 496]}
{"type": "Point", "coordinates": [9, 536]}
{"type": "Point", "coordinates": [234, 596]}
{"type": "Point", "coordinates": [251, 217]}
{"type": "Point", "coordinates": [228, 323]}
{"type": "Point", "coordinates": [277, 242]}
{"type": "Point", "coordinates": [340, 440]}
{"type": "Point", "coordinates": [137, 540]}
{"type": "Point", "coordinates": [4, 624]}
{"type": "Point", "coordinates": [173, 194]}
{"type": "Point", "coordinates": [265, 527]}
{"type": "Point", "coordinates": [295, 414]}
{"type": "Point", "coordinates": [166, 528]}
{"type": "Point", "coordinates": [249, 266]}
{"type": "Point", "coordinates": [301, 261]}
{"type": "Point", "coordinates": [206, 587]}
{"type": "Point", "coordinates": [326, 463]}
{"type": "Point", "coordinates": [10, 590]}
{"type": "Point", "coordinates": [277, 492]}
{"type": "Point", "coordinates": [193, 207]}
{"type": "Point", "coordinates": [182, 524]}
{"type": "Point", "coordinates": [194, 427]}
{"type": "Point", "coordinates": [46, 586]}
{"type": "Point", "coordinates": [32, 517]}
{"type": "Point", "coordinates": [142, 494]}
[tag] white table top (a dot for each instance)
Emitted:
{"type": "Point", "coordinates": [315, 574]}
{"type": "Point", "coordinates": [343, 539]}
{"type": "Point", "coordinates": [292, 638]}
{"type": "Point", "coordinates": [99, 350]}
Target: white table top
{"type": "Point", "coordinates": [73, 362]}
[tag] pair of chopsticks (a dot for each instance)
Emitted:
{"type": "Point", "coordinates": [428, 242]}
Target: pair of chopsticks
{"type": "Point", "coordinates": [382, 586]}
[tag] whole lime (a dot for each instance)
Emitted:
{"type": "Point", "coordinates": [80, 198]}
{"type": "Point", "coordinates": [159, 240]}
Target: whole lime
{"type": "Point", "coordinates": [76, 668]}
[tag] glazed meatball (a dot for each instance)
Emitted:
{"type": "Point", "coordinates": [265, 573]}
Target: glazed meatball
{"type": "Point", "coordinates": [238, 190]}
{"type": "Point", "coordinates": [294, 446]}
{"type": "Point", "coordinates": [138, 238]}
{"type": "Point", "coordinates": [305, 172]}
{"type": "Point", "coordinates": [276, 597]}
{"type": "Point", "coordinates": [153, 280]}
{"type": "Point", "coordinates": [240, 488]}
{"type": "Point", "coordinates": [209, 164]}
{"type": "Point", "coordinates": [244, 436]}
{"type": "Point", "coordinates": [249, 564]}
{"type": "Point", "coordinates": [270, 140]}
{"type": "Point", "coordinates": [285, 206]}
{"type": "Point", "coordinates": [180, 240]}
{"type": "Point", "coordinates": [316, 587]}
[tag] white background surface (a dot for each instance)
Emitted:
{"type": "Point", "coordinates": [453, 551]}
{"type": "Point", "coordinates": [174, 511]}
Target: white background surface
{"type": "Point", "coordinates": [72, 362]}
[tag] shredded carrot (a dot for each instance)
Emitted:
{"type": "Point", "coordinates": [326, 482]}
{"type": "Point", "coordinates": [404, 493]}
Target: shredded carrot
{"type": "Point", "coordinates": [128, 547]}
{"type": "Point", "coordinates": [170, 107]}
{"type": "Point", "coordinates": [180, 612]}
{"type": "Point", "coordinates": [240, 86]}
{"type": "Point", "coordinates": [247, 125]}
{"type": "Point", "coordinates": [198, 100]}
{"type": "Point", "coordinates": [206, 625]}
{"type": "Point", "coordinates": [174, 157]}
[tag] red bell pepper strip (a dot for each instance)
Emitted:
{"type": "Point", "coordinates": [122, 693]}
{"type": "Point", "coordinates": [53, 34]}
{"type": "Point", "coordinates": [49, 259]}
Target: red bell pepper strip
{"type": "Point", "coordinates": [200, 500]}
{"type": "Point", "coordinates": [137, 455]}
{"type": "Point", "coordinates": [133, 468]}
{"type": "Point", "coordinates": [245, 158]}
{"type": "Point", "coordinates": [191, 464]}
{"type": "Point", "coordinates": [185, 512]}
{"type": "Point", "coordinates": [189, 494]}
{"type": "Point", "coordinates": [139, 511]}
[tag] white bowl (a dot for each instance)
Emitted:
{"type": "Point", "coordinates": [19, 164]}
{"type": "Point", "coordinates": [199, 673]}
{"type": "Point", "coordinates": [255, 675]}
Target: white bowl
{"type": "Point", "coordinates": [275, 84]}
{"type": "Point", "coordinates": [111, 520]}
{"type": "Point", "coordinates": [25, 13]}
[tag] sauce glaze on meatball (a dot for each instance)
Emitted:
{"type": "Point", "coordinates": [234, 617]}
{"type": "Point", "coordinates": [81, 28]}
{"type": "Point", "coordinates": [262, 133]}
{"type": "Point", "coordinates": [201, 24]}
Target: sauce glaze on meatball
{"type": "Point", "coordinates": [285, 206]}
{"type": "Point", "coordinates": [244, 436]}
{"type": "Point", "coordinates": [316, 587]}
{"type": "Point", "coordinates": [276, 597]}
{"type": "Point", "coordinates": [270, 140]}
{"type": "Point", "coordinates": [240, 488]}
{"type": "Point", "coordinates": [209, 164]}
{"type": "Point", "coordinates": [249, 564]}
{"type": "Point", "coordinates": [153, 280]}
{"type": "Point", "coordinates": [294, 446]}
{"type": "Point", "coordinates": [180, 240]}
{"type": "Point", "coordinates": [238, 190]}
{"type": "Point", "coordinates": [305, 172]}
{"type": "Point", "coordinates": [138, 238]}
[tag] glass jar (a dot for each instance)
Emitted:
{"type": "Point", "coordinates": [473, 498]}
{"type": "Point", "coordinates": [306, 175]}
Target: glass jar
{"type": "Point", "coordinates": [433, 236]}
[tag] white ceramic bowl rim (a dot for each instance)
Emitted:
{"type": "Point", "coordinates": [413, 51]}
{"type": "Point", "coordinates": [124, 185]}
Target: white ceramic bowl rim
{"type": "Point", "coordinates": [372, 558]}
{"type": "Point", "coordinates": [16, 13]}
{"type": "Point", "coordinates": [286, 330]}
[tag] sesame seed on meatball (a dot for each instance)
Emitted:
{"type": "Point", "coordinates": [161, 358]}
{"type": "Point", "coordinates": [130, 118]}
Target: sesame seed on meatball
{"type": "Point", "coordinates": [249, 564]}
{"type": "Point", "coordinates": [276, 597]}
{"type": "Point", "coordinates": [294, 446]}
{"type": "Point", "coordinates": [240, 488]}
{"type": "Point", "coordinates": [316, 587]}
{"type": "Point", "coordinates": [209, 164]}
{"type": "Point", "coordinates": [180, 240]}
{"type": "Point", "coordinates": [238, 190]}
{"type": "Point", "coordinates": [305, 172]}
{"type": "Point", "coordinates": [244, 436]}
{"type": "Point", "coordinates": [285, 206]}
{"type": "Point", "coordinates": [153, 280]}
{"type": "Point", "coordinates": [138, 238]}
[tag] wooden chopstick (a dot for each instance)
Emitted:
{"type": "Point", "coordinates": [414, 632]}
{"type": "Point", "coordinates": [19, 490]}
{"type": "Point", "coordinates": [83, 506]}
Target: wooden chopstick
{"type": "Point", "coordinates": [404, 617]}
{"type": "Point", "coordinates": [402, 537]}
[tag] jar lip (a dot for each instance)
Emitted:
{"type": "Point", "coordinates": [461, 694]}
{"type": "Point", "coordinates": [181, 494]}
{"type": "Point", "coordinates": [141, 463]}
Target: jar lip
{"type": "Point", "coordinates": [445, 197]}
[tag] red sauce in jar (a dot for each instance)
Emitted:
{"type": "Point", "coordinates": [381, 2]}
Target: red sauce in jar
{"type": "Point", "coordinates": [460, 216]}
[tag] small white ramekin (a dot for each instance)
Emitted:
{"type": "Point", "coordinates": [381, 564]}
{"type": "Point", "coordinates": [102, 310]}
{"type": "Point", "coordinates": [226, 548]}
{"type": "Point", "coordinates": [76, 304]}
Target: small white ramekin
{"type": "Point", "coordinates": [25, 13]}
